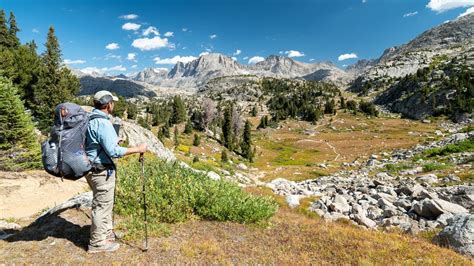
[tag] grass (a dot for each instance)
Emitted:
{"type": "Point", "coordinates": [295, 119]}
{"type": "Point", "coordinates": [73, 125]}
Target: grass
{"type": "Point", "coordinates": [177, 194]}
{"type": "Point", "coordinates": [434, 166]}
{"type": "Point", "coordinates": [462, 146]}
{"type": "Point", "coordinates": [394, 168]}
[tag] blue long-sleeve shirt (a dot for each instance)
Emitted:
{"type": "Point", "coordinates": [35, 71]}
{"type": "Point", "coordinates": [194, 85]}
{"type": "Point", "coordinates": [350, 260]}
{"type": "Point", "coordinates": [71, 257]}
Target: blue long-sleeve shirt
{"type": "Point", "coordinates": [101, 132]}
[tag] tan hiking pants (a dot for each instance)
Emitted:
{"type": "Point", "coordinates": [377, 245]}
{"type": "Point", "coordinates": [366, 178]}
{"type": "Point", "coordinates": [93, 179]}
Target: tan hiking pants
{"type": "Point", "coordinates": [103, 187]}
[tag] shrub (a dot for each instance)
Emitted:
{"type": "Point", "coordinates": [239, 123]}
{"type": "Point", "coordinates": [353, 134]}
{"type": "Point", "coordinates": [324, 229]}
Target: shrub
{"type": "Point", "coordinates": [196, 140]}
{"type": "Point", "coordinates": [176, 194]}
{"type": "Point", "coordinates": [368, 108]}
{"type": "Point", "coordinates": [434, 166]}
{"type": "Point", "coordinates": [462, 146]}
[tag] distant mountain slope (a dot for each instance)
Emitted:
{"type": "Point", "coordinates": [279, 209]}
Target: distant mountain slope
{"type": "Point", "coordinates": [123, 87]}
{"type": "Point", "coordinates": [450, 39]}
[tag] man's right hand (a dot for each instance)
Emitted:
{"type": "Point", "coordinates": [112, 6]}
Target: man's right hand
{"type": "Point", "coordinates": [142, 148]}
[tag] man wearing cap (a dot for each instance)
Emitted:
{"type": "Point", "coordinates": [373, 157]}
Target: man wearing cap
{"type": "Point", "coordinates": [101, 147]}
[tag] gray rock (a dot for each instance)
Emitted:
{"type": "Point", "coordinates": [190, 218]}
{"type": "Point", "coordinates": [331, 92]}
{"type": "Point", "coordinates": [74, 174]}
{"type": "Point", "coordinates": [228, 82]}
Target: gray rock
{"type": "Point", "coordinates": [429, 178]}
{"type": "Point", "coordinates": [293, 201]}
{"type": "Point", "coordinates": [403, 203]}
{"type": "Point", "coordinates": [83, 200]}
{"type": "Point", "coordinates": [459, 234]}
{"type": "Point", "coordinates": [213, 175]}
{"type": "Point", "coordinates": [362, 220]}
{"type": "Point", "coordinates": [443, 219]}
{"type": "Point", "coordinates": [340, 205]}
{"type": "Point", "coordinates": [432, 208]}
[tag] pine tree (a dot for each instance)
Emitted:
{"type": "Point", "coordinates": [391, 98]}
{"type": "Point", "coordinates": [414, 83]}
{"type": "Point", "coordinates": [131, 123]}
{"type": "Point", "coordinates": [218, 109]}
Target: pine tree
{"type": "Point", "coordinates": [4, 36]}
{"type": "Point", "coordinates": [196, 140]}
{"type": "Point", "coordinates": [246, 144]}
{"type": "Point", "coordinates": [12, 31]}
{"type": "Point", "coordinates": [19, 149]}
{"type": "Point", "coordinates": [227, 129]}
{"type": "Point", "coordinates": [179, 111]}
{"type": "Point", "coordinates": [176, 136]}
{"type": "Point", "coordinates": [224, 157]}
{"type": "Point", "coordinates": [56, 83]}
{"type": "Point", "coordinates": [188, 128]}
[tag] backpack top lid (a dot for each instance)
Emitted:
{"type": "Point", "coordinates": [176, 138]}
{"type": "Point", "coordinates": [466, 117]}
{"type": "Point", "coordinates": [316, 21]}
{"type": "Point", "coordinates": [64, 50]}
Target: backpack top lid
{"type": "Point", "coordinates": [70, 114]}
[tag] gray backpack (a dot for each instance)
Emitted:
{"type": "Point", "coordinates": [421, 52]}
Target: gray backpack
{"type": "Point", "coordinates": [64, 155]}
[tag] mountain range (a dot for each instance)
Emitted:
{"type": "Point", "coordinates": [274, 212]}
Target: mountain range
{"type": "Point", "coordinates": [450, 39]}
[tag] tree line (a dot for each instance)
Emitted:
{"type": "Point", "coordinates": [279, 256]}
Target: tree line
{"type": "Point", "coordinates": [31, 85]}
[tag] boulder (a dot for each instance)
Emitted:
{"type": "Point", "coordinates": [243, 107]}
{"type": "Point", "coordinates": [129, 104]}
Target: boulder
{"type": "Point", "coordinates": [432, 208]}
{"type": "Point", "coordinates": [340, 205]}
{"type": "Point", "coordinates": [362, 220]}
{"type": "Point", "coordinates": [213, 175]}
{"type": "Point", "coordinates": [293, 201]}
{"type": "Point", "coordinates": [459, 234]}
{"type": "Point", "coordinates": [429, 178]}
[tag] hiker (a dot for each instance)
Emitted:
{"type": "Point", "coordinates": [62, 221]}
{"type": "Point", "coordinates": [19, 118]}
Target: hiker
{"type": "Point", "coordinates": [101, 147]}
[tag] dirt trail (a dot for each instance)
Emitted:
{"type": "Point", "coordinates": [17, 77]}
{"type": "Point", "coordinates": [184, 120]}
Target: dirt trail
{"type": "Point", "coordinates": [27, 193]}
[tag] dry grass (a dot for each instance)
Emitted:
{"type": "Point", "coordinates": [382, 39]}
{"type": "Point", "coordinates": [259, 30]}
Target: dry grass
{"type": "Point", "coordinates": [290, 237]}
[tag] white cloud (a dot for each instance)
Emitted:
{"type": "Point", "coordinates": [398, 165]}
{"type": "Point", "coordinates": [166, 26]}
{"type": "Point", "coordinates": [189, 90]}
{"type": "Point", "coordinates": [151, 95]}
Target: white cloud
{"type": "Point", "coordinates": [184, 29]}
{"type": "Point", "coordinates": [411, 14]}
{"type": "Point", "coordinates": [347, 56]}
{"type": "Point", "coordinates": [203, 53]}
{"type": "Point", "coordinates": [443, 5]}
{"type": "Point", "coordinates": [150, 30]}
{"type": "Point", "coordinates": [146, 44]}
{"type": "Point", "coordinates": [74, 62]}
{"type": "Point", "coordinates": [112, 46]}
{"type": "Point", "coordinates": [134, 66]}
{"type": "Point", "coordinates": [132, 57]}
{"type": "Point", "coordinates": [234, 58]}
{"type": "Point", "coordinates": [129, 16]}
{"type": "Point", "coordinates": [169, 34]}
{"type": "Point", "coordinates": [364, 1]}
{"type": "Point", "coordinates": [35, 30]}
{"type": "Point", "coordinates": [174, 60]}
{"type": "Point", "coordinates": [293, 53]}
{"type": "Point", "coordinates": [468, 11]}
{"type": "Point", "coordinates": [112, 56]}
{"type": "Point", "coordinates": [92, 70]}
{"type": "Point", "coordinates": [131, 26]}
{"type": "Point", "coordinates": [245, 57]}
{"type": "Point", "coordinates": [256, 59]}
{"type": "Point", "coordinates": [237, 52]}
{"type": "Point", "coordinates": [311, 60]}
{"type": "Point", "coordinates": [213, 36]}
{"type": "Point", "coordinates": [116, 68]}
{"type": "Point", "coordinates": [281, 52]}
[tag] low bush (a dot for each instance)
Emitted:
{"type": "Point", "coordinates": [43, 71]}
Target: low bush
{"type": "Point", "coordinates": [462, 146]}
{"type": "Point", "coordinates": [176, 194]}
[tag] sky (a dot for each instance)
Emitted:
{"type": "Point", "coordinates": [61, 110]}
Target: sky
{"type": "Point", "coordinates": [118, 36]}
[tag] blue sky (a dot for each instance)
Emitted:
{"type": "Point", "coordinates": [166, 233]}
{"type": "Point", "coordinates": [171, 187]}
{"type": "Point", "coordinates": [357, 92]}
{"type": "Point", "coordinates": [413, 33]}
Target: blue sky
{"type": "Point", "coordinates": [126, 36]}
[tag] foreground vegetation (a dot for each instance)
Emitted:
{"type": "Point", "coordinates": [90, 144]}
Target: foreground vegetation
{"type": "Point", "coordinates": [177, 194]}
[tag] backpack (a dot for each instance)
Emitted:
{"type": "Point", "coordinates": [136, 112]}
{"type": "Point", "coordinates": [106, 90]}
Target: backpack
{"type": "Point", "coordinates": [63, 154]}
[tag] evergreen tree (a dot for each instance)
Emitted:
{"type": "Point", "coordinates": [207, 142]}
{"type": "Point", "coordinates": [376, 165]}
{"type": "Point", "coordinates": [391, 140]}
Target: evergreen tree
{"type": "Point", "coordinates": [246, 144]}
{"type": "Point", "coordinates": [176, 136]}
{"type": "Point", "coordinates": [342, 102]}
{"type": "Point", "coordinates": [196, 140]}
{"type": "Point", "coordinates": [12, 31]}
{"type": "Point", "coordinates": [179, 111]}
{"type": "Point", "coordinates": [254, 111]}
{"type": "Point", "coordinates": [132, 111]}
{"type": "Point", "coordinates": [120, 106]}
{"type": "Point", "coordinates": [188, 128]}
{"type": "Point", "coordinates": [263, 122]}
{"type": "Point", "coordinates": [56, 83]}
{"type": "Point", "coordinates": [227, 129]}
{"type": "Point", "coordinates": [224, 157]}
{"type": "Point", "coordinates": [19, 149]}
{"type": "Point", "coordinates": [4, 35]}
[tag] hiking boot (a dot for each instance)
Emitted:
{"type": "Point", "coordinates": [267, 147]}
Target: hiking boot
{"type": "Point", "coordinates": [114, 236]}
{"type": "Point", "coordinates": [110, 246]}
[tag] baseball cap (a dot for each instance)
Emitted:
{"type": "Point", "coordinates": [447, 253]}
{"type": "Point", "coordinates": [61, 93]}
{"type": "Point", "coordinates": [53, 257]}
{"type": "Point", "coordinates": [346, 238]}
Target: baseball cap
{"type": "Point", "coordinates": [104, 97]}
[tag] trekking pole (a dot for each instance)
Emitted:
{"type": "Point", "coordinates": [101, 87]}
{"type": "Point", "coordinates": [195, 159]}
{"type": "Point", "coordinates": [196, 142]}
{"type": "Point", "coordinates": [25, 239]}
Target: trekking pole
{"type": "Point", "coordinates": [142, 161]}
